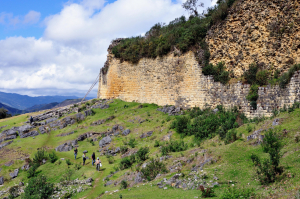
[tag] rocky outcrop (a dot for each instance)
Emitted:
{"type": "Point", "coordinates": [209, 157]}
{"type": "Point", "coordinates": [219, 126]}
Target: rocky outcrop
{"type": "Point", "coordinates": [1, 180]}
{"type": "Point", "coordinates": [5, 144]}
{"type": "Point", "coordinates": [126, 132]}
{"type": "Point", "coordinates": [171, 110]}
{"type": "Point", "coordinates": [68, 146]}
{"type": "Point", "coordinates": [105, 141]}
{"type": "Point", "coordinates": [14, 174]}
{"type": "Point", "coordinates": [148, 134]}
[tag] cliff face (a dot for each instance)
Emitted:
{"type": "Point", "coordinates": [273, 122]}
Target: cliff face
{"type": "Point", "coordinates": [248, 35]}
{"type": "Point", "coordinates": [262, 31]}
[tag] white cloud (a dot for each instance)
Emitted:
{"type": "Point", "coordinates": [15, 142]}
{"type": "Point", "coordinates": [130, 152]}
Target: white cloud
{"type": "Point", "coordinates": [32, 17]}
{"type": "Point", "coordinates": [71, 52]}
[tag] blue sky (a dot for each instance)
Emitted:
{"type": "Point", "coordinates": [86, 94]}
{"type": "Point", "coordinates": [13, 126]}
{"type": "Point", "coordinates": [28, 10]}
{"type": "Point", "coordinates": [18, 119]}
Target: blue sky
{"type": "Point", "coordinates": [57, 47]}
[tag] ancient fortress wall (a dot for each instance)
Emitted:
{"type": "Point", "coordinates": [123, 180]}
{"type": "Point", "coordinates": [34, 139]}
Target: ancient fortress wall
{"type": "Point", "coordinates": [261, 31]}
{"type": "Point", "coordinates": [179, 81]}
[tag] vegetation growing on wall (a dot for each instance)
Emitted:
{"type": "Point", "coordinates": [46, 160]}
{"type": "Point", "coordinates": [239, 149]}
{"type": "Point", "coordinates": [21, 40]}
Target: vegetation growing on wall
{"type": "Point", "coordinates": [256, 76]}
{"type": "Point", "coordinates": [179, 36]}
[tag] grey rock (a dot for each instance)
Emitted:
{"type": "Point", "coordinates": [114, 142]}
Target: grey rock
{"type": "Point", "coordinates": [10, 137]}
{"type": "Point", "coordinates": [89, 180]}
{"type": "Point", "coordinates": [80, 117]}
{"type": "Point", "coordinates": [5, 144]}
{"type": "Point", "coordinates": [14, 174]}
{"type": "Point", "coordinates": [1, 180]}
{"type": "Point", "coordinates": [184, 185]}
{"type": "Point", "coordinates": [25, 167]}
{"type": "Point", "coordinates": [106, 140]}
{"type": "Point", "coordinates": [165, 188]}
{"type": "Point", "coordinates": [138, 178]}
{"type": "Point", "coordinates": [109, 183]}
{"type": "Point", "coordinates": [171, 110]}
{"type": "Point", "coordinates": [215, 184]}
{"type": "Point", "coordinates": [8, 164]}
{"type": "Point", "coordinates": [26, 134]}
{"type": "Point", "coordinates": [215, 110]}
{"type": "Point", "coordinates": [126, 132]}
{"type": "Point", "coordinates": [88, 112]}
{"type": "Point", "coordinates": [68, 146]}
{"type": "Point", "coordinates": [21, 184]}
{"type": "Point", "coordinates": [275, 122]}
{"type": "Point", "coordinates": [44, 161]}
{"type": "Point", "coordinates": [254, 135]}
{"type": "Point", "coordinates": [216, 178]}
{"type": "Point", "coordinates": [50, 120]}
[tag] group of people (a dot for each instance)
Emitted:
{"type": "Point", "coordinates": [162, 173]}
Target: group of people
{"type": "Point", "coordinates": [94, 161]}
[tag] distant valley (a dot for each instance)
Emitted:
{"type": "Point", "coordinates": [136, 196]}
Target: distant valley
{"type": "Point", "coordinates": [19, 104]}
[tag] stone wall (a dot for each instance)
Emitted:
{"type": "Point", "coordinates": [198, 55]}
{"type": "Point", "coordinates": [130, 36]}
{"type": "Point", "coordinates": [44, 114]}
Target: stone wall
{"type": "Point", "coordinates": [262, 31]}
{"type": "Point", "coordinates": [179, 81]}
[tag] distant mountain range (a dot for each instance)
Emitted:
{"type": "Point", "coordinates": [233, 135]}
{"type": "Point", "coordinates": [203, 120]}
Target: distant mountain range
{"type": "Point", "coordinates": [23, 102]}
{"type": "Point", "coordinates": [19, 104]}
{"type": "Point", "coordinates": [12, 111]}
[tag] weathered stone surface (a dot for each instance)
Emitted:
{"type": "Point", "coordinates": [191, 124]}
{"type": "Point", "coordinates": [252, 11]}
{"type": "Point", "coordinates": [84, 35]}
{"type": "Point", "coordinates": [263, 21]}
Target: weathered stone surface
{"type": "Point", "coordinates": [68, 146]}
{"type": "Point", "coordinates": [148, 134]}
{"type": "Point", "coordinates": [126, 132]}
{"type": "Point", "coordinates": [29, 134]}
{"type": "Point", "coordinates": [1, 180]}
{"type": "Point", "coordinates": [106, 140]}
{"type": "Point", "coordinates": [89, 180]}
{"type": "Point", "coordinates": [171, 110]}
{"type": "Point", "coordinates": [14, 174]}
{"type": "Point", "coordinates": [138, 178]}
{"type": "Point", "coordinates": [5, 144]}
{"type": "Point", "coordinates": [80, 117]}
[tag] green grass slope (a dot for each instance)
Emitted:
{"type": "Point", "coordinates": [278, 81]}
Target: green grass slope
{"type": "Point", "coordinates": [232, 164]}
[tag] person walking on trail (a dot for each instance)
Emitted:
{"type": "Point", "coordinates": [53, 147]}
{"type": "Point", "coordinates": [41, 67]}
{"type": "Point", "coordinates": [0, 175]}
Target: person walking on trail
{"type": "Point", "coordinates": [93, 158]}
{"type": "Point", "coordinates": [75, 152]}
{"type": "Point", "coordinates": [98, 164]}
{"type": "Point", "coordinates": [84, 158]}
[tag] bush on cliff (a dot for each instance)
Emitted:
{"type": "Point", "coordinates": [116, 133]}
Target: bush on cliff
{"type": "Point", "coordinates": [285, 78]}
{"type": "Point", "coordinates": [219, 73]}
{"type": "Point", "coordinates": [179, 36]}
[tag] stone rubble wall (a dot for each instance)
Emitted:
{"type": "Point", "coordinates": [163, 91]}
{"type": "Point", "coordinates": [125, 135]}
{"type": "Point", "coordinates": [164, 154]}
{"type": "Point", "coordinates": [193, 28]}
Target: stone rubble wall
{"type": "Point", "coordinates": [252, 33]}
{"type": "Point", "coordinates": [179, 81]}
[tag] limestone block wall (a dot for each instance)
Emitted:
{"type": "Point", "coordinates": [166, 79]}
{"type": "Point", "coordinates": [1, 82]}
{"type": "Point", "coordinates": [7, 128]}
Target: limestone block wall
{"type": "Point", "coordinates": [179, 81]}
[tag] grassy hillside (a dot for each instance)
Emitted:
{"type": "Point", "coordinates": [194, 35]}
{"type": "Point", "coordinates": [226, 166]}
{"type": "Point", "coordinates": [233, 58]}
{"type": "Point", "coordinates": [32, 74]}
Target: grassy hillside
{"type": "Point", "coordinates": [230, 163]}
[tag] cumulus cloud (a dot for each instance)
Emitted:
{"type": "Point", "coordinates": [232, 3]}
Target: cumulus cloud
{"type": "Point", "coordinates": [73, 48]}
{"type": "Point", "coordinates": [32, 17]}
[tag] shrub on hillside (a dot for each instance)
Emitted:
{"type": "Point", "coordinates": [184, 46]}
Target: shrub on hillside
{"type": "Point", "coordinates": [173, 146]}
{"type": "Point", "coordinates": [153, 168]}
{"type": "Point", "coordinates": [39, 156]}
{"type": "Point", "coordinates": [132, 143]}
{"type": "Point", "coordinates": [124, 184]}
{"type": "Point", "coordinates": [38, 188]}
{"type": "Point", "coordinates": [32, 170]}
{"type": "Point", "coordinates": [127, 162]}
{"type": "Point", "coordinates": [123, 149]}
{"type": "Point", "coordinates": [232, 192]}
{"type": "Point", "coordinates": [142, 154]}
{"type": "Point", "coordinates": [206, 192]}
{"type": "Point", "coordinates": [53, 157]}
{"type": "Point", "coordinates": [269, 169]}
{"type": "Point", "coordinates": [231, 136]}
{"type": "Point", "coordinates": [206, 123]}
